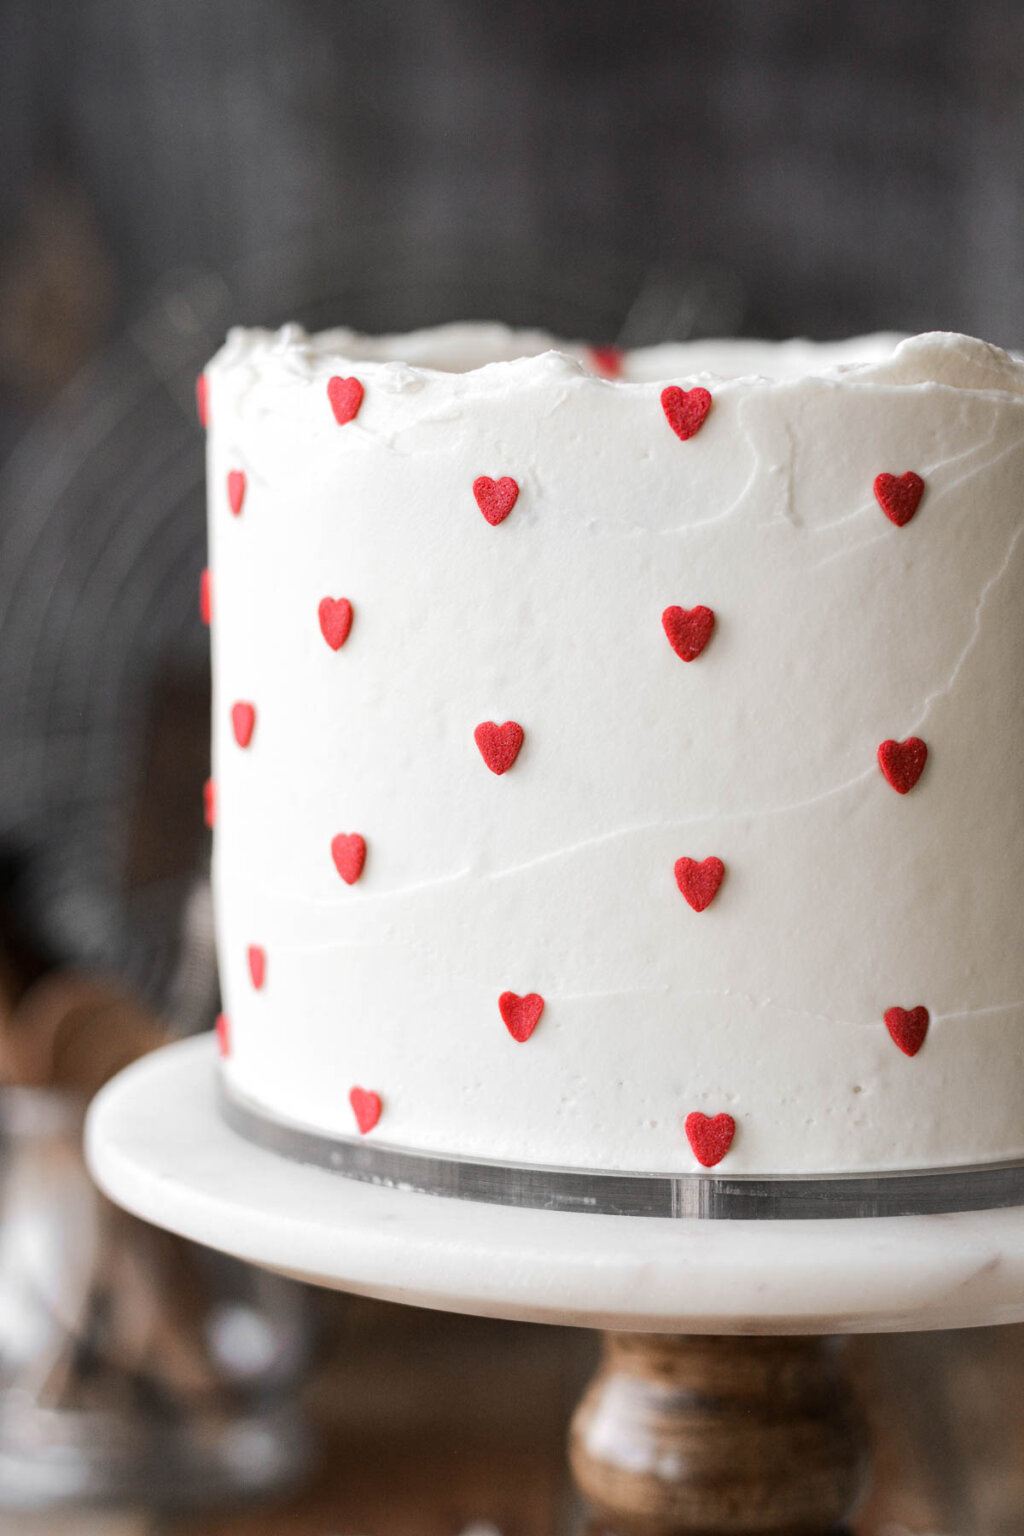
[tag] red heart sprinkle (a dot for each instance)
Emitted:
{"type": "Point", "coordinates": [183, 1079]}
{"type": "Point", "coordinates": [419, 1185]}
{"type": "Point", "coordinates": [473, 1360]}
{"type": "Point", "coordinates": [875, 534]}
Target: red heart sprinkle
{"type": "Point", "coordinates": [236, 490]}
{"type": "Point", "coordinates": [206, 597]}
{"type": "Point", "coordinates": [710, 1137]}
{"type": "Point", "coordinates": [688, 630]}
{"type": "Point", "coordinates": [348, 850]}
{"type": "Point", "coordinates": [908, 1027]}
{"type": "Point", "coordinates": [499, 744]}
{"type": "Point", "coordinates": [346, 396]}
{"type": "Point", "coordinates": [209, 803]}
{"type": "Point", "coordinates": [903, 762]}
{"type": "Point", "coordinates": [366, 1107]}
{"type": "Point", "coordinates": [699, 882]}
{"type": "Point", "coordinates": [685, 409]}
{"type": "Point", "coordinates": [257, 964]}
{"type": "Point", "coordinates": [223, 1034]}
{"type": "Point", "coordinates": [607, 361]}
{"type": "Point", "coordinates": [335, 620]}
{"type": "Point", "coordinates": [898, 495]}
{"type": "Point", "coordinates": [202, 400]}
{"type": "Point", "coordinates": [521, 1015]}
{"type": "Point", "coordinates": [495, 498]}
{"type": "Point", "coordinates": [243, 718]}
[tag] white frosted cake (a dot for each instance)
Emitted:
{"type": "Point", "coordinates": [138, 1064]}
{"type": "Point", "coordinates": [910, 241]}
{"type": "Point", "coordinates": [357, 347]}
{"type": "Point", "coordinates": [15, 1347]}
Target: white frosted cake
{"type": "Point", "coordinates": [617, 761]}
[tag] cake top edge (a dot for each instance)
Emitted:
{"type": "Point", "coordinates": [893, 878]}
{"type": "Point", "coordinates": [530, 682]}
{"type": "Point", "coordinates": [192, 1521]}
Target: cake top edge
{"type": "Point", "coordinates": [491, 353]}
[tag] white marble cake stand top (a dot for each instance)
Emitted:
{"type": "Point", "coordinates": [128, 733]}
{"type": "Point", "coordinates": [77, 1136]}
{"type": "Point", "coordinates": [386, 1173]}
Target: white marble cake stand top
{"type": "Point", "coordinates": [157, 1145]}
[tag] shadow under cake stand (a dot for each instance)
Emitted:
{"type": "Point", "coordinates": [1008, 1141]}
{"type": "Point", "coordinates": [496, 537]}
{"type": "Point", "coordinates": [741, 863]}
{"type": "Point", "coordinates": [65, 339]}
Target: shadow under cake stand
{"type": "Point", "coordinates": [721, 1406]}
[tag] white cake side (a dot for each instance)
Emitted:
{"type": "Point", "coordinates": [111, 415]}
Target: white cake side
{"type": "Point", "coordinates": [835, 630]}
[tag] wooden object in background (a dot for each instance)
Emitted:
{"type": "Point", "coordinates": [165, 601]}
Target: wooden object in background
{"type": "Point", "coordinates": [73, 1030]}
{"type": "Point", "coordinates": [719, 1437]}
{"type": "Point", "coordinates": [57, 289]}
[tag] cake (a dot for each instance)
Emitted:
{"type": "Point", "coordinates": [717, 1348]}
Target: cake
{"type": "Point", "coordinates": [617, 759]}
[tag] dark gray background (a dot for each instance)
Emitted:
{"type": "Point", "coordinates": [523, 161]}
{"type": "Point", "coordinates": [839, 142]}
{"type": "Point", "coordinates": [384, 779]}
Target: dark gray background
{"type": "Point", "coordinates": [853, 165]}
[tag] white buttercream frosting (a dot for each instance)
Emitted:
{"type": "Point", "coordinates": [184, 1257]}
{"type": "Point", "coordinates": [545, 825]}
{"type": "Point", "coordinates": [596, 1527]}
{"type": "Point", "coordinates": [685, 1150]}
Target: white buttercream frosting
{"type": "Point", "coordinates": [835, 631]}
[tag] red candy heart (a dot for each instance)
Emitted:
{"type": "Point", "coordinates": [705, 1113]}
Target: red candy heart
{"type": "Point", "coordinates": [495, 498]}
{"type": "Point", "coordinates": [688, 630]}
{"type": "Point", "coordinates": [335, 620]}
{"type": "Point", "coordinates": [348, 850]}
{"type": "Point", "coordinates": [685, 409]}
{"type": "Point", "coordinates": [257, 964]}
{"type": "Point", "coordinates": [243, 719]}
{"type": "Point", "coordinates": [209, 803]}
{"type": "Point", "coordinates": [699, 882]}
{"type": "Point", "coordinates": [346, 396]}
{"type": "Point", "coordinates": [710, 1137]}
{"type": "Point", "coordinates": [236, 490]}
{"type": "Point", "coordinates": [607, 361]}
{"type": "Point", "coordinates": [898, 495]}
{"type": "Point", "coordinates": [903, 762]}
{"type": "Point", "coordinates": [206, 597]}
{"type": "Point", "coordinates": [521, 1015]}
{"type": "Point", "coordinates": [366, 1107]}
{"type": "Point", "coordinates": [202, 400]}
{"type": "Point", "coordinates": [499, 744]}
{"type": "Point", "coordinates": [908, 1027]}
{"type": "Point", "coordinates": [223, 1028]}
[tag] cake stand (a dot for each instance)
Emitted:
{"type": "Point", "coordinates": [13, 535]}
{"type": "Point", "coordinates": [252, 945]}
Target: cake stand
{"type": "Point", "coordinates": [721, 1405]}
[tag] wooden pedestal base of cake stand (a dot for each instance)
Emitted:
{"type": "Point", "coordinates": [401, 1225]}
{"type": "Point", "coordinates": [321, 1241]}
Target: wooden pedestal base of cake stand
{"type": "Point", "coordinates": [719, 1435]}
{"type": "Point", "coordinates": [721, 1407]}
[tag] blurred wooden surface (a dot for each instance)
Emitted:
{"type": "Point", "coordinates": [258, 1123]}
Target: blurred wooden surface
{"type": "Point", "coordinates": [433, 1422]}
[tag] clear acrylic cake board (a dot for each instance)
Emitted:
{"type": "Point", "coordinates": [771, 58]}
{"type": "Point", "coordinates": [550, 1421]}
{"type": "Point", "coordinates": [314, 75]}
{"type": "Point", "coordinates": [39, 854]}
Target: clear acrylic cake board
{"type": "Point", "coordinates": [158, 1144]}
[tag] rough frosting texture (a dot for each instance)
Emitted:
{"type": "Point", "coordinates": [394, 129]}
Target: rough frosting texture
{"type": "Point", "coordinates": [516, 969]}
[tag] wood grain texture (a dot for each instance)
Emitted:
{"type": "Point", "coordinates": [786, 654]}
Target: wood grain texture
{"type": "Point", "coordinates": [719, 1437]}
{"type": "Point", "coordinates": [430, 1421]}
